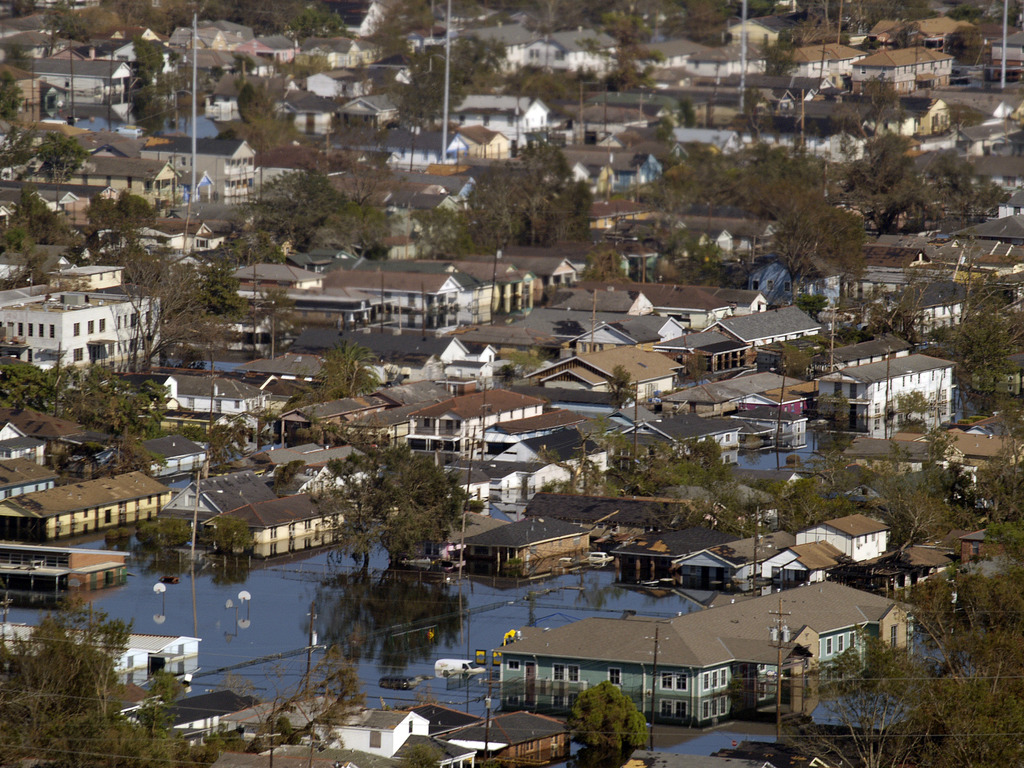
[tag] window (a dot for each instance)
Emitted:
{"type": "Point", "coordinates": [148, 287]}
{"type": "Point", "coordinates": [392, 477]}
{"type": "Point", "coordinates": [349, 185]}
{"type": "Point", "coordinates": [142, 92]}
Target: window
{"type": "Point", "coordinates": [706, 709]}
{"type": "Point", "coordinates": [574, 673]}
{"type": "Point", "coordinates": [714, 679]}
{"type": "Point", "coordinates": [828, 646]}
{"type": "Point", "coordinates": [558, 672]}
{"type": "Point", "coordinates": [76, 329]}
{"type": "Point", "coordinates": [614, 676]}
{"type": "Point", "coordinates": [839, 643]}
{"type": "Point", "coordinates": [667, 681]}
{"type": "Point", "coordinates": [707, 681]}
{"type": "Point", "coordinates": [666, 708]}
{"type": "Point", "coordinates": [103, 325]}
{"type": "Point", "coordinates": [42, 330]}
{"type": "Point", "coordinates": [892, 635]}
{"type": "Point", "coordinates": [680, 709]}
{"type": "Point", "coordinates": [558, 701]}
{"type": "Point", "coordinates": [78, 355]}
{"type": "Point", "coordinates": [512, 664]}
{"type": "Point", "coordinates": [374, 739]}
{"type": "Point", "coordinates": [53, 332]}
{"type": "Point", "coordinates": [30, 326]}
{"type": "Point", "coordinates": [91, 326]}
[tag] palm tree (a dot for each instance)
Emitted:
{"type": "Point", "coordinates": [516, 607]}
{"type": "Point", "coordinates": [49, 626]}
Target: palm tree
{"type": "Point", "coordinates": [346, 372]}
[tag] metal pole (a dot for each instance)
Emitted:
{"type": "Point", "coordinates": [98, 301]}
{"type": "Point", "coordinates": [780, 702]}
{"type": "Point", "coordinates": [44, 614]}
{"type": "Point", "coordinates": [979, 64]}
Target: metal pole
{"type": "Point", "coordinates": [654, 684]}
{"type": "Point", "coordinates": [743, 56]}
{"type": "Point", "coordinates": [447, 81]}
{"type": "Point", "coordinates": [1002, 70]}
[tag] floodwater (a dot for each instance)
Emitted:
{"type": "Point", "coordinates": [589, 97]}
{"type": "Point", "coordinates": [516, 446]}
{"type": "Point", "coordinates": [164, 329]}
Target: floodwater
{"type": "Point", "coordinates": [389, 623]}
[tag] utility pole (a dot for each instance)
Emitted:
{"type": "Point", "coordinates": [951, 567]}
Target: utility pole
{"type": "Point", "coordinates": [312, 642]}
{"type": "Point", "coordinates": [654, 684]}
{"type": "Point", "coordinates": [779, 630]}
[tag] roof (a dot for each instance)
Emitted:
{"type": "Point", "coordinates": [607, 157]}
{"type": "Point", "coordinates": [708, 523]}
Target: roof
{"type": "Point", "coordinates": [640, 364]}
{"type": "Point", "coordinates": [182, 145]}
{"type": "Point", "coordinates": [562, 444]}
{"type": "Point", "coordinates": [510, 728]}
{"type": "Point", "coordinates": [817, 555]}
{"type": "Point", "coordinates": [775, 322]}
{"type": "Point", "coordinates": [891, 368]}
{"type": "Point", "coordinates": [855, 525]}
{"type": "Point", "coordinates": [829, 52]}
{"type": "Point", "coordinates": [473, 405]}
{"type": "Point", "coordinates": [903, 57]}
{"type": "Point", "coordinates": [279, 273]}
{"type": "Point", "coordinates": [200, 386]}
{"type": "Point", "coordinates": [555, 419]}
{"type": "Point", "coordinates": [729, 389]}
{"type": "Point", "coordinates": [18, 471]}
{"type": "Point", "coordinates": [288, 364]}
{"type": "Point", "coordinates": [89, 493]}
{"type": "Point", "coordinates": [646, 512]}
{"type": "Point", "coordinates": [885, 344]}
{"type": "Point", "coordinates": [235, 490]}
{"type": "Point", "coordinates": [733, 631]}
{"type": "Point", "coordinates": [172, 445]}
{"type": "Point", "coordinates": [443, 719]}
{"type": "Point", "coordinates": [267, 514]}
{"type": "Point", "coordinates": [207, 705]}
{"type": "Point", "coordinates": [39, 425]}
{"type": "Point", "coordinates": [525, 533]}
{"type": "Point", "coordinates": [642, 758]}
{"type": "Point", "coordinates": [673, 544]}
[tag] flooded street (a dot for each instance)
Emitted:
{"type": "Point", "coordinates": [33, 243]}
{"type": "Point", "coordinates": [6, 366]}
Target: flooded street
{"type": "Point", "coordinates": [390, 623]}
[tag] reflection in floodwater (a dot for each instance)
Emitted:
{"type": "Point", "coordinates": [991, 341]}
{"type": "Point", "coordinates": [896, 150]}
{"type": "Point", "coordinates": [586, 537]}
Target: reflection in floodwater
{"type": "Point", "coordinates": [394, 617]}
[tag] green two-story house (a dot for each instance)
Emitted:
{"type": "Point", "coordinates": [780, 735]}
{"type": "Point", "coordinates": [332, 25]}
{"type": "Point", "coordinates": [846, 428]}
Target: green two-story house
{"type": "Point", "coordinates": [699, 667]}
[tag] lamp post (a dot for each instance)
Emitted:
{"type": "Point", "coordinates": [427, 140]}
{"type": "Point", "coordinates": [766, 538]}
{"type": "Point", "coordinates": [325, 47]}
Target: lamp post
{"type": "Point", "coordinates": [161, 589]}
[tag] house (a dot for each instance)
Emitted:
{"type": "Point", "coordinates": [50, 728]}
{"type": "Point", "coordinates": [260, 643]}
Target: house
{"type": "Point", "coordinates": [686, 428]}
{"type": "Point", "coordinates": [376, 110]}
{"type": "Point", "coordinates": [501, 436]}
{"type": "Point", "coordinates": [20, 475]}
{"type": "Point", "coordinates": [455, 425]}
{"type": "Point", "coordinates": [515, 738]}
{"type": "Point", "coordinates": [204, 395]}
{"type": "Point", "coordinates": [906, 69]}
{"type": "Point", "coordinates": [706, 352]}
{"type": "Point", "coordinates": [767, 426]}
{"type": "Point", "coordinates": [229, 164]}
{"type": "Point", "coordinates": [567, 446]}
{"type": "Point", "coordinates": [724, 396]}
{"type": "Point", "coordinates": [336, 52]}
{"type": "Point", "coordinates": [87, 82]}
{"type": "Point", "coordinates": [729, 566]}
{"type": "Point", "coordinates": [311, 114]}
{"type": "Point", "coordinates": [92, 505]}
{"type": "Point", "coordinates": [154, 180]}
{"type": "Point", "coordinates": [885, 346]}
{"type": "Point", "coordinates": [655, 556]}
{"type": "Point", "coordinates": [610, 517]}
{"type": "Point", "coordinates": [313, 474]}
{"type": "Point", "coordinates": [218, 494]}
{"type": "Point", "coordinates": [174, 455]}
{"type": "Point", "coordinates": [877, 393]}
{"type": "Point", "coordinates": [776, 282]}
{"type": "Point", "coordinates": [573, 50]}
{"type": "Point", "coordinates": [643, 332]}
{"type": "Point", "coordinates": [856, 536]}
{"type": "Point", "coordinates": [531, 547]}
{"type": "Point", "coordinates": [59, 570]}
{"type": "Point", "coordinates": [889, 267]}
{"type": "Point", "coordinates": [256, 276]}
{"type": "Point", "coordinates": [142, 656]}
{"type": "Point", "coordinates": [283, 525]}
{"type": "Point", "coordinates": [800, 564]}
{"type": "Point", "coordinates": [512, 116]}
{"type": "Point", "coordinates": [278, 48]}
{"type": "Point", "coordinates": [710, 662]}
{"type": "Point", "coordinates": [830, 60]}
{"type": "Point", "coordinates": [476, 141]}
{"type": "Point", "coordinates": [78, 328]}
{"type": "Point", "coordinates": [769, 327]}
{"type": "Point", "coordinates": [1014, 48]}
{"type": "Point", "coordinates": [17, 424]}
{"type": "Point", "coordinates": [650, 373]}
{"type": "Point", "coordinates": [197, 716]}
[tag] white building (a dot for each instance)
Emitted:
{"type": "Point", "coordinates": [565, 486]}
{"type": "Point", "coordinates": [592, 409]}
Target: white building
{"type": "Point", "coordinates": [514, 116]}
{"type": "Point", "coordinates": [878, 393]}
{"type": "Point", "coordinates": [856, 536]}
{"type": "Point", "coordinates": [458, 425]}
{"type": "Point", "coordinates": [569, 51]}
{"type": "Point", "coordinates": [76, 328]}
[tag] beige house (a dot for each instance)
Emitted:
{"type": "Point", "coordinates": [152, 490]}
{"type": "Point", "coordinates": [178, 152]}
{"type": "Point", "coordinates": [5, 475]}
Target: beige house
{"type": "Point", "coordinates": [905, 69]}
{"type": "Point", "coordinates": [93, 505]}
{"type": "Point", "coordinates": [284, 525]}
{"type": "Point", "coordinates": [338, 52]}
{"type": "Point", "coordinates": [154, 180]}
{"type": "Point", "coordinates": [478, 141]}
{"type": "Point", "coordinates": [649, 372]}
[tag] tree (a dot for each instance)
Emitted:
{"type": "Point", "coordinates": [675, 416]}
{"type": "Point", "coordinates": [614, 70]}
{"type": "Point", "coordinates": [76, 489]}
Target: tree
{"type": "Point", "coordinates": [316, 20]}
{"type": "Point", "coordinates": [294, 207]}
{"type": "Point", "coordinates": [631, 63]}
{"type": "Point", "coordinates": [621, 387]}
{"type": "Point", "coordinates": [117, 226]}
{"type": "Point", "coordinates": [16, 149]}
{"type": "Point", "coordinates": [605, 719]}
{"type": "Point", "coordinates": [442, 232]}
{"type": "Point", "coordinates": [60, 156]}
{"type": "Point", "coordinates": [218, 289]}
{"type": "Point", "coordinates": [393, 499]}
{"type": "Point", "coordinates": [421, 756]}
{"type": "Point", "coordinates": [11, 97]}
{"type": "Point", "coordinates": [961, 194]}
{"type": "Point", "coordinates": [885, 186]}
{"type": "Point", "coordinates": [229, 534]}
{"type": "Point", "coordinates": [346, 372]}
{"type": "Point", "coordinates": [868, 696]}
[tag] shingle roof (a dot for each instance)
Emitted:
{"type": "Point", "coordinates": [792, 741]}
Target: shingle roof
{"type": "Point", "coordinates": [171, 446]}
{"type": "Point", "coordinates": [511, 728]}
{"type": "Point", "coordinates": [525, 532]}
{"type": "Point", "coordinates": [90, 493]}
{"type": "Point", "coordinates": [555, 419]}
{"type": "Point", "coordinates": [208, 705]}
{"type": "Point", "coordinates": [673, 544]}
{"type": "Point", "coordinates": [608, 510]}
{"type": "Point", "coordinates": [36, 424]}
{"type": "Point", "coordinates": [898, 366]}
{"type": "Point", "coordinates": [267, 514]}
{"type": "Point", "coordinates": [816, 555]}
{"type": "Point", "coordinates": [776, 322]}
{"type": "Point", "coordinates": [477, 403]}
{"type": "Point", "coordinates": [712, 636]}
{"type": "Point", "coordinates": [17, 471]}
{"type": "Point", "coordinates": [443, 719]}
{"type": "Point", "coordinates": [856, 525]}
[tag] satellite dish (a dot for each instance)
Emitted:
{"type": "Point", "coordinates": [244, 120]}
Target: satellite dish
{"type": "Point", "coordinates": [159, 588]}
{"type": "Point", "coordinates": [243, 596]}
